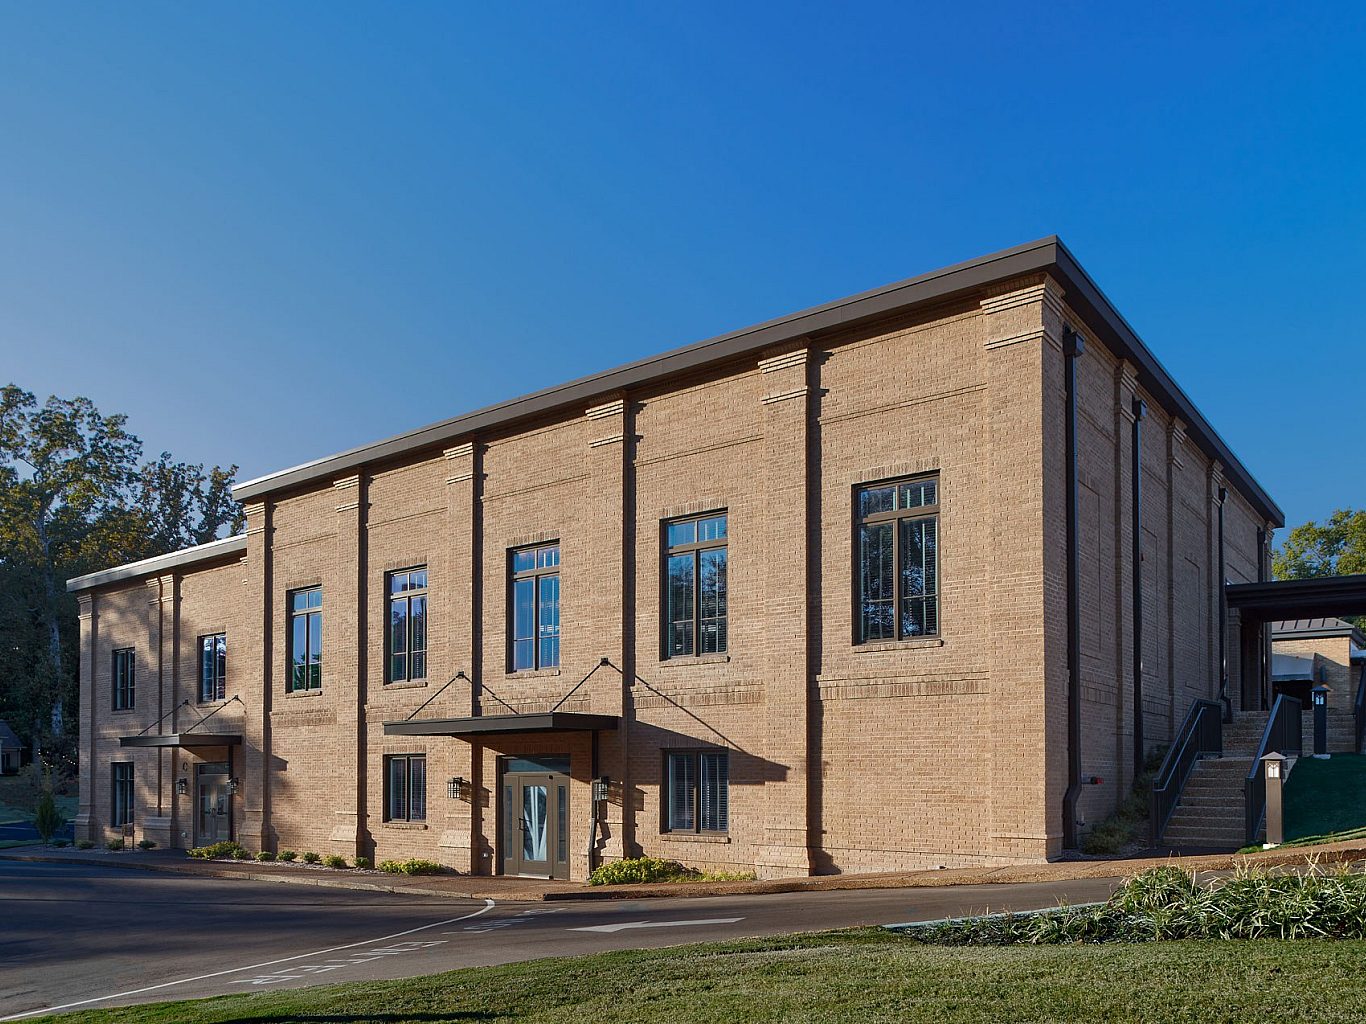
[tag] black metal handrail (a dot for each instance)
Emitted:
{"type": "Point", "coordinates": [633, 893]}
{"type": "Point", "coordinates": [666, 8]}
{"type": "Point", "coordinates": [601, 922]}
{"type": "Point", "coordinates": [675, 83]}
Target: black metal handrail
{"type": "Point", "coordinates": [1359, 710]}
{"type": "Point", "coordinates": [1200, 735]}
{"type": "Point", "coordinates": [1284, 733]}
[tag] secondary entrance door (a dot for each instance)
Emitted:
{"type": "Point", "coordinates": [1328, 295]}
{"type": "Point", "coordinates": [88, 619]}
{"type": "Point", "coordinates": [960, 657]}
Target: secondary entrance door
{"type": "Point", "coordinates": [213, 817]}
{"type": "Point", "coordinates": [535, 811]}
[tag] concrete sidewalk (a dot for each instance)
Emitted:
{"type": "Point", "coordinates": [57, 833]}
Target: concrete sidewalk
{"type": "Point", "coordinates": [531, 890]}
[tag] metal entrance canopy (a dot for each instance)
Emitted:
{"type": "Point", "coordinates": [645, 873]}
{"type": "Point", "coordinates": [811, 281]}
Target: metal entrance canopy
{"type": "Point", "coordinates": [184, 739]}
{"type": "Point", "coordinates": [1277, 600]}
{"type": "Point", "coordinates": [485, 725]}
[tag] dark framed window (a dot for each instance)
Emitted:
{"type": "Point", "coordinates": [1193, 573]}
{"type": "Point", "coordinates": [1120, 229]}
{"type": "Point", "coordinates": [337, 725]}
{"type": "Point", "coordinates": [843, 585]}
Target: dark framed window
{"type": "Point", "coordinates": [697, 791]}
{"type": "Point", "coordinates": [305, 640]}
{"type": "Point", "coordinates": [125, 683]}
{"type": "Point", "coordinates": [121, 792]}
{"type": "Point", "coordinates": [213, 667]}
{"type": "Point", "coordinates": [897, 551]}
{"type": "Point", "coordinates": [534, 632]}
{"type": "Point", "coordinates": [695, 586]}
{"type": "Point", "coordinates": [407, 624]}
{"type": "Point", "coordinates": [405, 787]}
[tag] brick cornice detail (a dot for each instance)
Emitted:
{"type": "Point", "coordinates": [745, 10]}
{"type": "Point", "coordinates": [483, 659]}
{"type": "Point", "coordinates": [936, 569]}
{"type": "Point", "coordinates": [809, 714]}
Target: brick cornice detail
{"type": "Point", "coordinates": [85, 605]}
{"type": "Point", "coordinates": [1046, 292]}
{"type": "Point", "coordinates": [606, 410]}
{"type": "Point", "coordinates": [782, 362]}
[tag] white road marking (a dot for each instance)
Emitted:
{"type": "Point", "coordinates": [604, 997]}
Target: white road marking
{"type": "Point", "coordinates": [609, 928]}
{"type": "Point", "coordinates": [488, 905]}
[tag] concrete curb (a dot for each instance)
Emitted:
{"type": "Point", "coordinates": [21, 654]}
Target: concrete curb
{"type": "Point", "coordinates": [508, 891]}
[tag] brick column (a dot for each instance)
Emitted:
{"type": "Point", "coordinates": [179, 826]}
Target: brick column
{"type": "Point", "coordinates": [461, 611]}
{"type": "Point", "coordinates": [1214, 480]}
{"type": "Point", "coordinates": [251, 808]}
{"type": "Point", "coordinates": [1027, 466]}
{"type": "Point", "coordinates": [786, 849]}
{"type": "Point", "coordinates": [84, 823]}
{"type": "Point", "coordinates": [344, 669]}
{"type": "Point", "coordinates": [156, 823]}
{"type": "Point", "coordinates": [1126, 391]}
{"type": "Point", "coordinates": [611, 515]}
{"type": "Point", "coordinates": [1176, 460]}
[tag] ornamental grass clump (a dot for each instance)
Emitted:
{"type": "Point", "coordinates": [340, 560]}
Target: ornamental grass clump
{"type": "Point", "coordinates": [1168, 903]}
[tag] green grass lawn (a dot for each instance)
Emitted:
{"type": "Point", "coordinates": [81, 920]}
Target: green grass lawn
{"type": "Point", "coordinates": [1323, 798]}
{"type": "Point", "coordinates": [17, 801]}
{"type": "Point", "coordinates": [859, 976]}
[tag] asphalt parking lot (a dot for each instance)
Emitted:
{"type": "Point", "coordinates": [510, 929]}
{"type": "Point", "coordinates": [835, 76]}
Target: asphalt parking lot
{"type": "Point", "coordinates": [79, 936]}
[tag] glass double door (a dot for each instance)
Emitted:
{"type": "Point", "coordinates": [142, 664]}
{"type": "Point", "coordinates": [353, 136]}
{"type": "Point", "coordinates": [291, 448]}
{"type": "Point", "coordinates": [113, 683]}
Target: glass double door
{"type": "Point", "coordinates": [213, 817]}
{"type": "Point", "coordinates": [535, 812]}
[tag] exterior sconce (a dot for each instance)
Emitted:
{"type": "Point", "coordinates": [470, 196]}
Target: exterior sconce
{"type": "Point", "coordinates": [453, 788]}
{"type": "Point", "coordinates": [232, 787]}
{"type": "Point", "coordinates": [600, 787]}
{"type": "Point", "coordinates": [182, 786]}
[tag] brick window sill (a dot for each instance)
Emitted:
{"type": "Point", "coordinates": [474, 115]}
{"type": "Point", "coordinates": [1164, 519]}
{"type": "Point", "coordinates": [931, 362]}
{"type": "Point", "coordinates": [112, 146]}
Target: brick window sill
{"type": "Point", "coordinates": [532, 673]}
{"type": "Point", "coordinates": [694, 837]}
{"type": "Point", "coordinates": [925, 643]}
{"type": "Point", "coordinates": [406, 684]}
{"type": "Point", "coordinates": [303, 693]}
{"type": "Point", "coordinates": [124, 711]}
{"type": "Point", "coordinates": [699, 659]}
{"type": "Point", "coordinates": [405, 826]}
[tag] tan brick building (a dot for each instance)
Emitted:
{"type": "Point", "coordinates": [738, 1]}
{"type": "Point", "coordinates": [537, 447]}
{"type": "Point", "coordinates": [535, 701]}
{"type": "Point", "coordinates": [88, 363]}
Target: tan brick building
{"type": "Point", "coordinates": [798, 594]}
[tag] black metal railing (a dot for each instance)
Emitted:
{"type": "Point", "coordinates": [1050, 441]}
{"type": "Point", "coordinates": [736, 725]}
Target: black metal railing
{"type": "Point", "coordinates": [1284, 733]}
{"type": "Point", "coordinates": [1200, 735]}
{"type": "Point", "coordinates": [1359, 710]}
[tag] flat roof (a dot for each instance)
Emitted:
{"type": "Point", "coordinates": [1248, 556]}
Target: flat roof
{"type": "Point", "coordinates": [1283, 600]}
{"type": "Point", "coordinates": [484, 725]}
{"type": "Point", "coordinates": [183, 739]}
{"type": "Point", "coordinates": [1290, 629]}
{"type": "Point", "coordinates": [1047, 255]}
{"type": "Point", "coordinates": [214, 549]}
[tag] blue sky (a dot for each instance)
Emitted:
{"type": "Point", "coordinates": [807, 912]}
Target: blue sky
{"type": "Point", "coordinates": [232, 221]}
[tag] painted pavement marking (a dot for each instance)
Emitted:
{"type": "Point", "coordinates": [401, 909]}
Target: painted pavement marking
{"type": "Point", "coordinates": [610, 928]}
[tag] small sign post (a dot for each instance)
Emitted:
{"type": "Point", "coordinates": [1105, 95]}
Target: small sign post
{"type": "Point", "coordinates": [1273, 764]}
{"type": "Point", "coordinates": [1319, 694]}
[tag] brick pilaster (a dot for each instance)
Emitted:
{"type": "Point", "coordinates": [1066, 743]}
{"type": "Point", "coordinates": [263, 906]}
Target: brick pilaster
{"type": "Point", "coordinates": [84, 823]}
{"type": "Point", "coordinates": [251, 806]}
{"type": "Point", "coordinates": [344, 670]}
{"type": "Point", "coordinates": [1126, 391]}
{"type": "Point", "coordinates": [787, 398]}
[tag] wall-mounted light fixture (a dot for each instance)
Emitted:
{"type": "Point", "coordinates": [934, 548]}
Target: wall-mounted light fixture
{"type": "Point", "coordinates": [182, 786]}
{"type": "Point", "coordinates": [454, 787]}
{"type": "Point", "coordinates": [600, 788]}
{"type": "Point", "coordinates": [232, 787]}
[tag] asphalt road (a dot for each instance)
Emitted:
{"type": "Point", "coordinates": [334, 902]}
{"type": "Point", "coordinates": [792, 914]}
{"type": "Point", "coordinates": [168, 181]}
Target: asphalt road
{"type": "Point", "coordinates": [75, 936]}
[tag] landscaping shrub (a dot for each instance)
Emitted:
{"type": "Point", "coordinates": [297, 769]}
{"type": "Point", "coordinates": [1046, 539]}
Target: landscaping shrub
{"type": "Point", "coordinates": [85, 844]}
{"type": "Point", "coordinates": [363, 863]}
{"type": "Point", "coordinates": [241, 853]}
{"type": "Point", "coordinates": [223, 848]}
{"type": "Point", "coordinates": [147, 844]}
{"type": "Point", "coordinates": [1129, 823]}
{"type": "Point", "coordinates": [1168, 903]}
{"type": "Point", "coordinates": [638, 870]}
{"type": "Point", "coordinates": [47, 820]}
{"type": "Point", "coordinates": [265, 856]}
{"type": "Point", "coordinates": [114, 844]}
{"type": "Point", "coordinates": [60, 844]}
{"type": "Point", "coordinates": [288, 855]}
{"type": "Point", "coordinates": [311, 858]}
{"type": "Point", "coordinates": [414, 866]}
{"type": "Point", "coordinates": [333, 860]}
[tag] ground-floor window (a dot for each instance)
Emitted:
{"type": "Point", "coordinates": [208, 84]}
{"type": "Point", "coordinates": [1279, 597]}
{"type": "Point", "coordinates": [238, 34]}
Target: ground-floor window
{"type": "Point", "coordinates": [405, 787]}
{"type": "Point", "coordinates": [121, 793]}
{"type": "Point", "coordinates": [697, 791]}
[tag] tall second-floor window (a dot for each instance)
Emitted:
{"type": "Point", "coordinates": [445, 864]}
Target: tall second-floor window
{"type": "Point", "coordinates": [213, 667]}
{"type": "Point", "coordinates": [305, 640]}
{"type": "Point", "coordinates": [898, 559]}
{"type": "Point", "coordinates": [695, 586]}
{"type": "Point", "coordinates": [535, 626]}
{"type": "Point", "coordinates": [124, 682]}
{"type": "Point", "coordinates": [408, 625]}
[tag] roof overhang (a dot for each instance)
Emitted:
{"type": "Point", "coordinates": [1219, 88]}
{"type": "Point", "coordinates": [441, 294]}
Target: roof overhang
{"type": "Point", "coordinates": [214, 550]}
{"type": "Point", "coordinates": [1046, 256]}
{"type": "Point", "coordinates": [1276, 600]}
{"type": "Point", "coordinates": [184, 739]}
{"type": "Point", "coordinates": [491, 725]}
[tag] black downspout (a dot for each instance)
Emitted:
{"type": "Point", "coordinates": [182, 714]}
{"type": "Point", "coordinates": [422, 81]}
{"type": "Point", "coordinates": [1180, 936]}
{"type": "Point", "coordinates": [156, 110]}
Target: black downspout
{"type": "Point", "coordinates": [1263, 660]}
{"type": "Point", "coordinates": [1073, 346]}
{"type": "Point", "coordinates": [1224, 697]}
{"type": "Point", "coordinates": [1140, 751]}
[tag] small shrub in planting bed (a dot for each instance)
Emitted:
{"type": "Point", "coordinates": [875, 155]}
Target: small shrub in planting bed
{"type": "Point", "coordinates": [415, 866]}
{"type": "Point", "coordinates": [311, 858]}
{"type": "Point", "coordinates": [241, 853]}
{"type": "Point", "coordinates": [333, 860]}
{"type": "Point", "coordinates": [147, 844]}
{"type": "Point", "coordinates": [84, 844]}
{"type": "Point", "coordinates": [225, 848]}
{"type": "Point", "coordinates": [60, 844]}
{"type": "Point", "coordinates": [288, 855]}
{"type": "Point", "coordinates": [363, 863]}
{"type": "Point", "coordinates": [265, 856]}
{"type": "Point", "coordinates": [114, 844]}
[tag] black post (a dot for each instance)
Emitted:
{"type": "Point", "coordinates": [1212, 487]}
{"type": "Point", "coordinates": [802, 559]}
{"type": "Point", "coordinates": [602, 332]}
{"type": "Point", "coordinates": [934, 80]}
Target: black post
{"type": "Point", "coordinates": [1263, 630]}
{"type": "Point", "coordinates": [1224, 698]}
{"type": "Point", "coordinates": [1073, 346]}
{"type": "Point", "coordinates": [1320, 697]}
{"type": "Point", "coordinates": [1140, 752]}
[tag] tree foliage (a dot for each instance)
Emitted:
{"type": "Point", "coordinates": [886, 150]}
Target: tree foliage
{"type": "Point", "coordinates": [1335, 548]}
{"type": "Point", "coordinates": [75, 496]}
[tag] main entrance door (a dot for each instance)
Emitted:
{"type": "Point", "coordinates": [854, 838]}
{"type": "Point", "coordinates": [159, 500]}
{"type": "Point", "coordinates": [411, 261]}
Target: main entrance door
{"type": "Point", "coordinates": [535, 812]}
{"type": "Point", "coordinates": [213, 814]}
